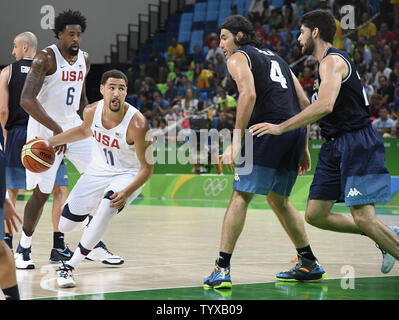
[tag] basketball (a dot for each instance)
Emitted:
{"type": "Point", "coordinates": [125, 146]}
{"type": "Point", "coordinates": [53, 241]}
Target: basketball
{"type": "Point", "coordinates": [37, 156]}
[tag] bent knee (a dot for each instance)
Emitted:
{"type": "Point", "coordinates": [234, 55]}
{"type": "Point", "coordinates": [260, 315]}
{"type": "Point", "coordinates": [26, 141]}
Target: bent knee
{"type": "Point", "coordinates": [70, 222]}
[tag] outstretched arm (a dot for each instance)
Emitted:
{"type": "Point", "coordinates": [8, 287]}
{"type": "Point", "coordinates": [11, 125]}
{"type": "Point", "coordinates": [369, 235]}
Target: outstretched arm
{"type": "Point", "coordinates": [77, 133]}
{"type": "Point", "coordinates": [332, 70]}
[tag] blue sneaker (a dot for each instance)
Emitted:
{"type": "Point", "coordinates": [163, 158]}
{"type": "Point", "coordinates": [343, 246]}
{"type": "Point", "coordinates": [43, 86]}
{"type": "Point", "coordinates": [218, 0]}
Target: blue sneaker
{"type": "Point", "coordinates": [387, 260]}
{"type": "Point", "coordinates": [304, 270]}
{"type": "Point", "coordinates": [219, 279]}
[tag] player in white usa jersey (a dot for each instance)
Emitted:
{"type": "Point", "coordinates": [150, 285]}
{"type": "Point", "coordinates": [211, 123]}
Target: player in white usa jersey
{"type": "Point", "coordinates": [121, 164]}
{"type": "Point", "coordinates": [53, 93]}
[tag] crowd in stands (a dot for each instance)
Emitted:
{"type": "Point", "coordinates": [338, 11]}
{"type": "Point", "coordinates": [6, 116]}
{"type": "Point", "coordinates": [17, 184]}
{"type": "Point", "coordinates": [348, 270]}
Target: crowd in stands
{"type": "Point", "coordinates": [175, 85]}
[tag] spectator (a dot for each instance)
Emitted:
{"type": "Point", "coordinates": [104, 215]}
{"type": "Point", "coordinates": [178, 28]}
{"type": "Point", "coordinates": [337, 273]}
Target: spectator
{"type": "Point", "coordinates": [290, 20]}
{"type": "Point", "coordinates": [266, 12]}
{"type": "Point", "coordinates": [198, 55]}
{"type": "Point", "coordinates": [394, 78]}
{"type": "Point", "coordinates": [363, 46]}
{"type": "Point", "coordinates": [145, 106]}
{"type": "Point", "coordinates": [203, 78]}
{"type": "Point", "coordinates": [176, 53]}
{"type": "Point", "coordinates": [220, 67]}
{"type": "Point", "coordinates": [359, 61]}
{"type": "Point", "coordinates": [224, 123]}
{"type": "Point", "coordinates": [156, 67]}
{"type": "Point", "coordinates": [383, 70]}
{"type": "Point", "coordinates": [160, 105]}
{"type": "Point", "coordinates": [255, 10]}
{"type": "Point", "coordinates": [388, 57]}
{"type": "Point", "coordinates": [189, 104]}
{"type": "Point", "coordinates": [369, 30]}
{"type": "Point", "coordinates": [384, 124]}
{"type": "Point", "coordinates": [368, 88]}
{"type": "Point", "coordinates": [213, 51]}
{"type": "Point", "coordinates": [385, 35]}
{"type": "Point", "coordinates": [209, 38]}
{"type": "Point", "coordinates": [150, 83]}
{"type": "Point", "coordinates": [260, 30]}
{"type": "Point", "coordinates": [386, 90]}
{"type": "Point", "coordinates": [274, 39]}
{"type": "Point", "coordinates": [371, 77]}
{"type": "Point", "coordinates": [225, 103]}
{"type": "Point", "coordinates": [362, 7]}
{"type": "Point", "coordinates": [375, 105]}
{"type": "Point", "coordinates": [307, 81]}
{"type": "Point", "coordinates": [276, 20]}
{"type": "Point", "coordinates": [171, 92]}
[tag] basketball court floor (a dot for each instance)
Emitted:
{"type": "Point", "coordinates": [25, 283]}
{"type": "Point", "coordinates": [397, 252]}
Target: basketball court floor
{"type": "Point", "coordinates": [170, 246]}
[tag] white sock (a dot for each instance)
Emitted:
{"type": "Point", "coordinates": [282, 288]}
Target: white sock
{"type": "Point", "coordinates": [94, 231]}
{"type": "Point", "coordinates": [77, 258]}
{"type": "Point", "coordinates": [25, 241]}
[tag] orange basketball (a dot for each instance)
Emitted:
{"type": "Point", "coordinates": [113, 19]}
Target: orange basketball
{"type": "Point", "coordinates": [37, 156]}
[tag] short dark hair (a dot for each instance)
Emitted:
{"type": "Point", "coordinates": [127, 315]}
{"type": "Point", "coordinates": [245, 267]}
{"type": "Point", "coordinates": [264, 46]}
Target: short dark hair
{"type": "Point", "coordinates": [237, 23]}
{"type": "Point", "coordinates": [113, 74]}
{"type": "Point", "coordinates": [323, 20]}
{"type": "Point", "coordinates": [68, 17]}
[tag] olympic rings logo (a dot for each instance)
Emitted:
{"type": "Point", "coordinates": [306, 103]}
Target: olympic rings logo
{"type": "Point", "coordinates": [214, 186]}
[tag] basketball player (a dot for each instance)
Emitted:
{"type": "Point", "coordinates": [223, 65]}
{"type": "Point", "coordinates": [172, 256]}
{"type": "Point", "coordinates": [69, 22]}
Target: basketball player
{"type": "Point", "coordinates": [8, 278]}
{"type": "Point", "coordinates": [122, 163]}
{"type": "Point", "coordinates": [53, 93]}
{"type": "Point", "coordinates": [14, 121]}
{"type": "Point", "coordinates": [351, 162]}
{"type": "Point", "coordinates": [267, 90]}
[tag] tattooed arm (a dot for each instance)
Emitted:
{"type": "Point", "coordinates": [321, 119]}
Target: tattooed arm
{"type": "Point", "coordinates": [43, 64]}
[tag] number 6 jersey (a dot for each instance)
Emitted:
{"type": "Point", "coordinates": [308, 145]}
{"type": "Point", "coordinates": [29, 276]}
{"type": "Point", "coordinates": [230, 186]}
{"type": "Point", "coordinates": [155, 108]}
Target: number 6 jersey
{"type": "Point", "coordinates": [61, 91]}
{"type": "Point", "coordinates": [111, 154]}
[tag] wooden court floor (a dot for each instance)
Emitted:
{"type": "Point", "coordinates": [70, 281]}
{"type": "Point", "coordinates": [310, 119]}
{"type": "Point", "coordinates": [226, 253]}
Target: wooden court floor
{"type": "Point", "coordinates": [175, 247]}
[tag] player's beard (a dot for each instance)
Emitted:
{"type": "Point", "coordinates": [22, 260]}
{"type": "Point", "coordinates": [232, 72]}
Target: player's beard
{"type": "Point", "coordinates": [308, 47]}
{"type": "Point", "coordinates": [73, 52]}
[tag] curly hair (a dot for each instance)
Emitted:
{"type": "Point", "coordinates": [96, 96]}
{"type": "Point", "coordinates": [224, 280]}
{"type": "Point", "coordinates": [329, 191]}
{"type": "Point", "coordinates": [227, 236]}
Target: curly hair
{"type": "Point", "coordinates": [68, 17]}
{"type": "Point", "coordinates": [237, 23]}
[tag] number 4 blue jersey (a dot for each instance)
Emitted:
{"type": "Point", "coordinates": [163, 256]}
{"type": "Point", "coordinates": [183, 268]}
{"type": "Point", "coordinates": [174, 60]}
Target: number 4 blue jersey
{"type": "Point", "coordinates": [276, 98]}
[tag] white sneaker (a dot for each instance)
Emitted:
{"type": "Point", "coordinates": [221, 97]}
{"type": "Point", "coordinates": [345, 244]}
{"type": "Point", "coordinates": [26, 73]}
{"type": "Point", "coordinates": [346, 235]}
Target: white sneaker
{"type": "Point", "coordinates": [23, 259]}
{"type": "Point", "coordinates": [387, 260]}
{"type": "Point", "coordinates": [101, 253]}
{"type": "Point", "coordinates": [65, 277]}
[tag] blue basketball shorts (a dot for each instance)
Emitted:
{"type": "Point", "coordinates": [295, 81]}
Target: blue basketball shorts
{"type": "Point", "coordinates": [351, 169]}
{"type": "Point", "coordinates": [274, 164]}
{"type": "Point", "coordinates": [15, 171]}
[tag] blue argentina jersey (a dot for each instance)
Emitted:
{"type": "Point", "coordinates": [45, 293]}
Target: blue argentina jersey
{"type": "Point", "coordinates": [351, 109]}
{"type": "Point", "coordinates": [276, 97]}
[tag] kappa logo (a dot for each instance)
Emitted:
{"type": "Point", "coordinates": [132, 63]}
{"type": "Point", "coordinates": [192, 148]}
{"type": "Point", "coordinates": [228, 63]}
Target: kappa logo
{"type": "Point", "coordinates": [353, 192]}
{"type": "Point", "coordinates": [236, 177]}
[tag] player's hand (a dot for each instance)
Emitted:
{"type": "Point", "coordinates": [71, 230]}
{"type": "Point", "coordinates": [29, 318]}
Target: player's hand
{"type": "Point", "coordinates": [10, 216]}
{"type": "Point", "coordinates": [304, 163]}
{"type": "Point", "coordinates": [118, 200]}
{"type": "Point", "coordinates": [261, 129]}
{"type": "Point", "coordinates": [61, 148]}
{"type": "Point", "coordinates": [227, 158]}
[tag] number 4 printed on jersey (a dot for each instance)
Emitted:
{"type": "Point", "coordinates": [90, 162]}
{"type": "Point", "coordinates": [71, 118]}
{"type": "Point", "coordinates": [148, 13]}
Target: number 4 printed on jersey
{"type": "Point", "coordinates": [276, 75]}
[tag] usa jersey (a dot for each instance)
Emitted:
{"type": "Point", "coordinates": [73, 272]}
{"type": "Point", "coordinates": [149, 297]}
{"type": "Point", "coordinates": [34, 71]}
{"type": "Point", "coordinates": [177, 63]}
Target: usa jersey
{"type": "Point", "coordinates": [351, 109]}
{"type": "Point", "coordinates": [17, 115]}
{"type": "Point", "coordinates": [276, 98]}
{"type": "Point", "coordinates": [111, 154]}
{"type": "Point", "coordinates": [61, 91]}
